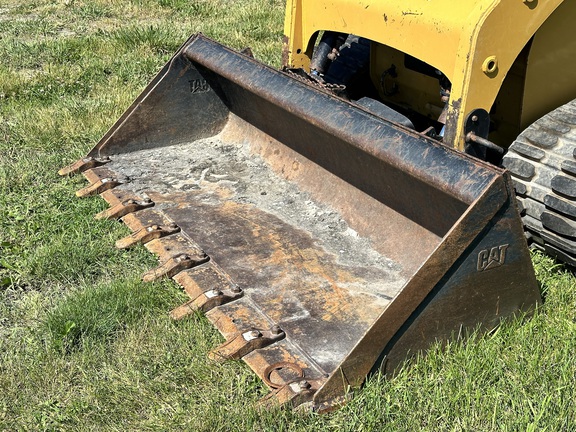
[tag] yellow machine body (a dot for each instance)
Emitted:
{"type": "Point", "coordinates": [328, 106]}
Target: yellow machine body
{"type": "Point", "coordinates": [512, 58]}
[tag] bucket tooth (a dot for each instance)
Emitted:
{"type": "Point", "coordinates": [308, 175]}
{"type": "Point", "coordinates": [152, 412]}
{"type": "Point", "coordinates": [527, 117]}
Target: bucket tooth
{"type": "Point", "coordinates": [174, 245]}
{"type": "Point", "coordinates": [206, 301]}
{"type": "Point", "coordinates": [174, 265]}
{"type": "Point", "coordinates": [150, 220]}
{"type": "Point", "coordinates": [125, 207]}
{"type": "Point", "coordinates": [297, 393]}
{"type": "Point", "coordinates": [146, 234]}
{"type": "Point", "coordinates": [98, 187]}
{"type": "Point", "coordinates": [201, 279]}
{"type": "Point", "coordinates": [246, 342]}
{"type": "Point", "coordinates": [83, 164]}
{"type": "Point", "coordinates": [207, 286]}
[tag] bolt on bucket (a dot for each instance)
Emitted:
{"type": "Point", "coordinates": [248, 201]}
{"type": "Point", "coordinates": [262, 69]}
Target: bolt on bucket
{"type": "Point", "coordinates": [323, 241]}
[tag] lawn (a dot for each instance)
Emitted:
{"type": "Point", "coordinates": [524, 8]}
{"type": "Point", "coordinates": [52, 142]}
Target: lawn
{"type": "Point", "coordinates": [86, 345]}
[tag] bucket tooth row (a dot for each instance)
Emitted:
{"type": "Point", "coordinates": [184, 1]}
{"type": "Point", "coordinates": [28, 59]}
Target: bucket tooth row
{"type": "Point", "coordinates": [174, 265]}
{"type": "Point", "coordinates": [286, 372]}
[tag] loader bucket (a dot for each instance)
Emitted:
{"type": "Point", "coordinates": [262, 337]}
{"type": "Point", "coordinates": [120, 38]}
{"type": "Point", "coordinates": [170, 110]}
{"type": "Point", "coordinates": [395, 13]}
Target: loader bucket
{"type": "Point", "coordinates": [323, 241]}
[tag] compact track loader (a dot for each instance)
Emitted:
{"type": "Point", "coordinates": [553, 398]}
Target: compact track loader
{"type": "Point", "coordinates": [338, 215]}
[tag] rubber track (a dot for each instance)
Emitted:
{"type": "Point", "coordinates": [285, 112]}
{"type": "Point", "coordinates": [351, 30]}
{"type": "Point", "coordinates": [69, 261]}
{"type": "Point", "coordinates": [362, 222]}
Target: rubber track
{"type": "Point", "coordinates": [542, 162]}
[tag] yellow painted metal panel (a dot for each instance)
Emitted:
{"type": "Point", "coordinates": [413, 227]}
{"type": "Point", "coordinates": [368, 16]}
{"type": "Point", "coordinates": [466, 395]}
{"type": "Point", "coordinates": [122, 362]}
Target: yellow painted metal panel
{"type": "Point", "coordinates": [426, 29]}
{"type": "Point", "coordinates": [551, 69]}
{"type": "Point", "coordinates": [500, 35]}
{"type": "Point", "coordinates": [473, 42]}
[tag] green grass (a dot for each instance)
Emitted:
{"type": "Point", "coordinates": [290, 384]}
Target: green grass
{"type": "Point", "coordinates": [85, 345]}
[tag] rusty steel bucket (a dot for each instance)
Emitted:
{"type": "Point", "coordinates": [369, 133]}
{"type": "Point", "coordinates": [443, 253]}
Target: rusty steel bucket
{"type": "Point", "coordinates": [323, 241]}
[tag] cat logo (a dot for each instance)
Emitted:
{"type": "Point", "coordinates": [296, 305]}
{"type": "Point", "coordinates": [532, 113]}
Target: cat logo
{"type": "Point", "coordinates": [492, 258]}
{"type": "Point", "coordinates": [199, 86]}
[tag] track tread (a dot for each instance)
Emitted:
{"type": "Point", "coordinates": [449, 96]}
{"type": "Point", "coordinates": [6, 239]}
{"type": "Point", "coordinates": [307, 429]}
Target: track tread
{"type": "Point", "coordinates": [529, 151]}
{"type": "Point", "coordinates": [564, 186]}
{"type": "Point", "coordinates": [540, 138]}
{"type": "Point", "coordinates": [520, 167]}
{"type": "Point", "coordinates": [560, 205]}
{"type": "Point", "coordinates": [542, 162]}
{"type": "Point", "coordinates": [553, 125]}
{"type": "Point", "coordinates": [566, 116]}
{"type": "Point", "coordinates": [559, 224]}
{"type": "Point", "coordinates": [569, 167]}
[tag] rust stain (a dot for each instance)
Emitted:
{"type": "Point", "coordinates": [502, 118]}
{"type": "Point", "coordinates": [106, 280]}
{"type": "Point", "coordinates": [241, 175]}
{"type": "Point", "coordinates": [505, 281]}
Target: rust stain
{"type": "Point", "coordinates": [298, 267]}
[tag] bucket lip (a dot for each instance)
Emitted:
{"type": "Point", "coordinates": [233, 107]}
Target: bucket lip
{"type": "Point", "coordinates": [465, 178]}
{"type": "Point", "coordinates": [187, 49]}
